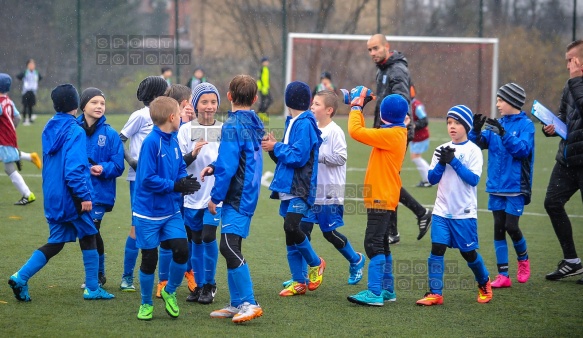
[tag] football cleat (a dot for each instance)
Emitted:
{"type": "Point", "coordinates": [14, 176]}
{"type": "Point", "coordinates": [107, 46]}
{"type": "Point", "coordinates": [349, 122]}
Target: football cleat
{"type": "Point", "coordinates": [247, 312]}
{"type": "Point", "coordinates": [485, 292]}
{"type": "Point", "coordinates": [316, 275]}
{"type": "Point", "coordinates": [189, 275]}
{"type": "Point", "coordinates": [145, 312]}
{"type": "Point", "coordinates": [127, 284]}
{"type": "Point", "coordinates": [294, 289]}
{"type": "Point", "coordinates": [565, 269]}
{"type": "Point", "coordinates": [161, 285]}
{"type": "Point", "coordinates": [388, 296]}
{"type": "Point", "coordinates": [207, 295]}
{"type": "Point", "coordinates": [523, 273]}
{"type": "Point", "coordinates": [355, 270]}
{"type": "Point", "coordinates": [35, 159]}
{"type": "Point", "coordinates": [194, 295]}
{"type": "Point", "coordinates": [171, 303]}
{"type": "Point", "coordinates": [19, 287]}
{"type": "Point", "coordinates": [26, 200]}
{"type": "Point", "coordinates": [430, 299]}
{"type": "Point", "coordinates": [366, 297]}
{"type": "Point", "coordinates": [226, 312]}
{"type": "Point", "coordinates": [502, 282]}
{"type": "Point", "coordinates": [100, 293]}
{"type": "Point", "coordinates": [424, 222]}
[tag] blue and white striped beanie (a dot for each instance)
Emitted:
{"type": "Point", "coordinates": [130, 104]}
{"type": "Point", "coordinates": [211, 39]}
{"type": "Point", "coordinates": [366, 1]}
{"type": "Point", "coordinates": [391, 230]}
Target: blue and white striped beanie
{"type": "Point", "coordinates": [204, 88]}
{"type": "Point", "coordinates": [463, 115]}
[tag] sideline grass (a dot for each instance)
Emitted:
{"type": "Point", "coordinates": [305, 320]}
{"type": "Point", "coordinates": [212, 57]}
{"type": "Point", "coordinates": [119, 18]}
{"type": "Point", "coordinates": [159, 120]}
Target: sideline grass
{"type": "Point", "coordinates": [538, 308]}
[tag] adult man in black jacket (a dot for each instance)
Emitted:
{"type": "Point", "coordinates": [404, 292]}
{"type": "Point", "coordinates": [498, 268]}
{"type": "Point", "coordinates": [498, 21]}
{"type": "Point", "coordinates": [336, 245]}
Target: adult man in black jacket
{"type": "Point", "coordinates": [393, 78]}
{"type": "Point", "coordinates": [567, 175]}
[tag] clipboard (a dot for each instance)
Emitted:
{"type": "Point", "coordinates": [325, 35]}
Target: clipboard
{"type": "Point", "coordinates": [548, 117]}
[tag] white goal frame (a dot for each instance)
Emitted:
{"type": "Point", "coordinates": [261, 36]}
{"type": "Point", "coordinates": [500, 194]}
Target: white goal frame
{"type": "Point", "coordinates": [391, 38]}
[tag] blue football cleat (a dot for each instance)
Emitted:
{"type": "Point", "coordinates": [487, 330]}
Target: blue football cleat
{"type": "Point", "coordinates": [19, 287]}
{"type": "Point", "coordinates": [100, 293]}
{"type": "Point", "coordinates": [355, 270]}
{"type": "Point", "coordinates": [366, 297]}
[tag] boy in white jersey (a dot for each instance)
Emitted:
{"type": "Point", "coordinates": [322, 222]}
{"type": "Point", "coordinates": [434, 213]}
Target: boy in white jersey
{"type": "Point", "coordinates": [329, 205]}
{"type": "Point", "coordinates": [139, 125]}
{"type": "Point", "coordinates": [199, 142]}
{"type": "Point", "coordinates": [456, 166]}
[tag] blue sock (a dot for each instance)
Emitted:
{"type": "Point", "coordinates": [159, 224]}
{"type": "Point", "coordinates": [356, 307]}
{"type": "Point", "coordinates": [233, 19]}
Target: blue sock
{"type": "Point", "coordinates": [91, 263]}
{"type": "Point", "coordinates": [211, 256]}
{"type": "Point", "coordinates": [244, 284]}
{"type": "Point", "coordinates": [189, 262]}
{"type": "Point", "coordinates": [501, 248]}
{"type": "Point", "coordinates": [521, 251]}
{"type": "Point", "coordinates": [305, 248]}
{"type": "Point", "coordinates": [297, 265]}
{"type": "Point", "coordinates": [102, 264]}
{"type": "Point", "coordinates": [146, 287]}
{"type": "Point", "coordinates": [36, 262]}
{"type": "Point", "coordinates": [435, 273]}
{"type": "Point", "coordinates": [130, 257]}
{"type": "Point", "coordinates": [165, 257]}
{"type": "Point", "coordinates": [233, 292]}
{"type": "Point", "coordinates": [197, 262]}
{"type": "Point", "coordinates": [175, 276]}
{"type": "Point", "coordinates": [479, 269]}
{"type": "Point", "coordinates": [375, 274]}
{"type": "Point", "coordinates": [388, 277]}
{"type": "Point", "coordinates": [348, 252]}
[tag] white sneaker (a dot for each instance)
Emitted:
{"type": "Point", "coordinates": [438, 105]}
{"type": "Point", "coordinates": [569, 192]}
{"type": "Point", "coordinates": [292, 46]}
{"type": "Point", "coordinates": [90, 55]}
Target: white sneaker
{"type": "Point", "coordinates": [226, 312]}
{"type": "Point", "coordinates": [26, 123]}
{"type": "Point", "coordinates": [247, 312]}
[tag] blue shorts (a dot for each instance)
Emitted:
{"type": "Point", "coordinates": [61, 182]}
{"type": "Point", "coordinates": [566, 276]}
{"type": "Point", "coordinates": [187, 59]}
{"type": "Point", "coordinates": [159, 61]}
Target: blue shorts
{"type": "Point", "coordinates": [455, 233]}
{"type": "Point", "coordinates": [234, 222]}
{"type": "Point", "coordinates": [196, 218]}
{"type": "Point", "coordinates": [98, 211]}
{"type": "Point", "coordinates": [419, 147]}
{"type": "Point", "coordinates": [329, 217]}
{"type": "Point", "coordinates": [9, 154]}
{"type": "Point", "coordinates": [513, 205]}
{"type": "Point", "coordinates": [132, 185]}
{"type": "Point", "coordinates": [150, 233]}
{"type": "Point", "coordinates": [295, 205]}
{"type": "Point", "coordinates": [69, 231]}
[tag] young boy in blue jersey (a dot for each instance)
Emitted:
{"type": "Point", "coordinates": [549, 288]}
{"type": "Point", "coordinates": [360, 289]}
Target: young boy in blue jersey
{"type": "Point", "coordinates": [138, 126]}
{"type": "Point", "coordinates": [199, 142]}
{"type": "Point", "coordinates": [67, 174]}
{"type": "Point", "coordinates": [160, 179]}
{"type": "Point", "coordinates": [329, 203]}
{"type": "Point", "coordinates": [237, 172]}
{"type": "Point", "coordinates": [456, 166]}
{"type": "Point", "coordinates": [105, 156]}
{"type": "Point", "coordinates": [294, 183]}
{"type": "Point", "coordinates": [183, 96]}
{"type": "Point", "coordinates": [510, 144]}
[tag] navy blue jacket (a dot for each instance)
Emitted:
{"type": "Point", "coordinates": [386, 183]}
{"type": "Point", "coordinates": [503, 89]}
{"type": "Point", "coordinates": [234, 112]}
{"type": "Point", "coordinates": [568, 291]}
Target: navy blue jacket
{"type": "Point", "coordinates": [159, 166]}
{"type": "Point", "coordinates": [66, 177]}
{"type": "Point", "coordinates": [510, 158]}
{"type": "Point", "coordinates": [104, 147]}
{"type": "Point", "coordinates": [239, 164]}
{"type": "Point", "coordinates": [296, 170]}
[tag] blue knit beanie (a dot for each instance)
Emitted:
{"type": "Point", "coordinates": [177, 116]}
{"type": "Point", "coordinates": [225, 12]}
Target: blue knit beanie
{"type": "Point", "coordinates": [65, 98]}
{"type": "Point", "coordinates": [463, 115]}
{"type": "Point", "coordinates": [204, 88]}
{"type": "Point", "coordinates": [5, 83]}
{"type": "Point", "coordinates": [298, 96]}
{"type": "Point", "coordinates": [394, 108]}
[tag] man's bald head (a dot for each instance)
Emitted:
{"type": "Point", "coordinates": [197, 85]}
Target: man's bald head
{"type": "Point", "coordinates": [378, 48]}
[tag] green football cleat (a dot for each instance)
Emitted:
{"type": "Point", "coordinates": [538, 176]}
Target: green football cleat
{"type": "Point", "coordinates": [171, 303]}
{"type": "Point", "coordinates": [26, 200]}
{"type": "Point", "coordinates": [145, 312]}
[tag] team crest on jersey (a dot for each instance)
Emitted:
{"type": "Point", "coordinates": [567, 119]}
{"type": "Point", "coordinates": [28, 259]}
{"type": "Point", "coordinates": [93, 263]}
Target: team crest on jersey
{"type": "Point", "coordinates": [101, 140]}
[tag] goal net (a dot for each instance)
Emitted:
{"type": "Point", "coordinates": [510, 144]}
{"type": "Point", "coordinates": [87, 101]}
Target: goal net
{"type": "Point", "coordinates": [446, 71]}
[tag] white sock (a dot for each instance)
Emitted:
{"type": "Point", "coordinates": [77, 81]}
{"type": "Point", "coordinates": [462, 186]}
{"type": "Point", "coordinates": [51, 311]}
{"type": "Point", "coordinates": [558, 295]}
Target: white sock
{"type": "Point", "coordinates": [25, 156]}
{"type": "Point", "coordinates": [573, 260]}
{"type": "Point", "coordinates": [19, 183]}
{"type": "Point", "coordinates": [422, 167]}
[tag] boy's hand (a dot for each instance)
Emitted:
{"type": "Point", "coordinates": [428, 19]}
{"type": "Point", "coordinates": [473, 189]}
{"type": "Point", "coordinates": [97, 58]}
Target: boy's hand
{"type": "Point", "coordinates": [268, 142]}
{"type": "Point", "coordinates": [198, 146]}
{"type": "Point", "coordinates": [360, 96]}
{"type": "Point", "coordinates": [495, 126]}
{"type": "Point", "coordinates": [86, 206]}
{"type": "Point", "coordinates": [207, 171]}
{"type": "Point", "coordinates": [96, 170]}
{"type": "Point", "coordinates": [187, 185]}
{"type": "Point", "coordinates": [479, 121]}
{"type": "Point", "coordinates": [212, 208]}
{"type": "Point", "coordinates": [445, 155]}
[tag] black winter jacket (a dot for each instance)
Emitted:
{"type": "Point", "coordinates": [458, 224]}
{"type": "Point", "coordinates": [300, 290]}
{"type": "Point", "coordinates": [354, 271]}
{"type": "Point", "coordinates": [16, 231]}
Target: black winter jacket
{"type": "Point", "coordinates": [570, 151]}
{"type": "Point", "coordinates": [392, 78]}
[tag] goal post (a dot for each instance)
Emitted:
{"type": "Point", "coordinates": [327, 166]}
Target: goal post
{"type": "Point", "coordinates": [446, 71]}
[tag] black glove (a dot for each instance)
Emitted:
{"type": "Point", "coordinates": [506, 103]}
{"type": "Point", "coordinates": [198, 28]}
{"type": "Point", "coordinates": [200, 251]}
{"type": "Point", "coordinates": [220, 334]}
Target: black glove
{"type": "Point", "coordinates": [495, 126]}
{"type": "Point", "coordinates": [445, 155]}
{"type": "Point", "coordinates": [187, 185]}
{"type": "Point", "coordinates": [479, 121]}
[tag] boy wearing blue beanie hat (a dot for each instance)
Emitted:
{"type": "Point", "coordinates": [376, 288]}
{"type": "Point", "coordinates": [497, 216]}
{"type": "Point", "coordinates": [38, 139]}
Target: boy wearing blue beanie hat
{"type": "Point", "coordinates": [10, 155]}
{"type": "Point", "coordinates": [384, 184]}
{"type": "Point", "coordinates": [294, 184]}
{"type": "Point", "coordinates": [454, 219]}
{"type": "Point", "coordinates": [65, 162]}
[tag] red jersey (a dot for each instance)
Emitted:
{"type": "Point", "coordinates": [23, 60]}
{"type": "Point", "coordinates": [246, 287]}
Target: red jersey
{"type": "Point", "coordinates": [421, 134]}
{"type": "Point", "coordinates": [7, 128]}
